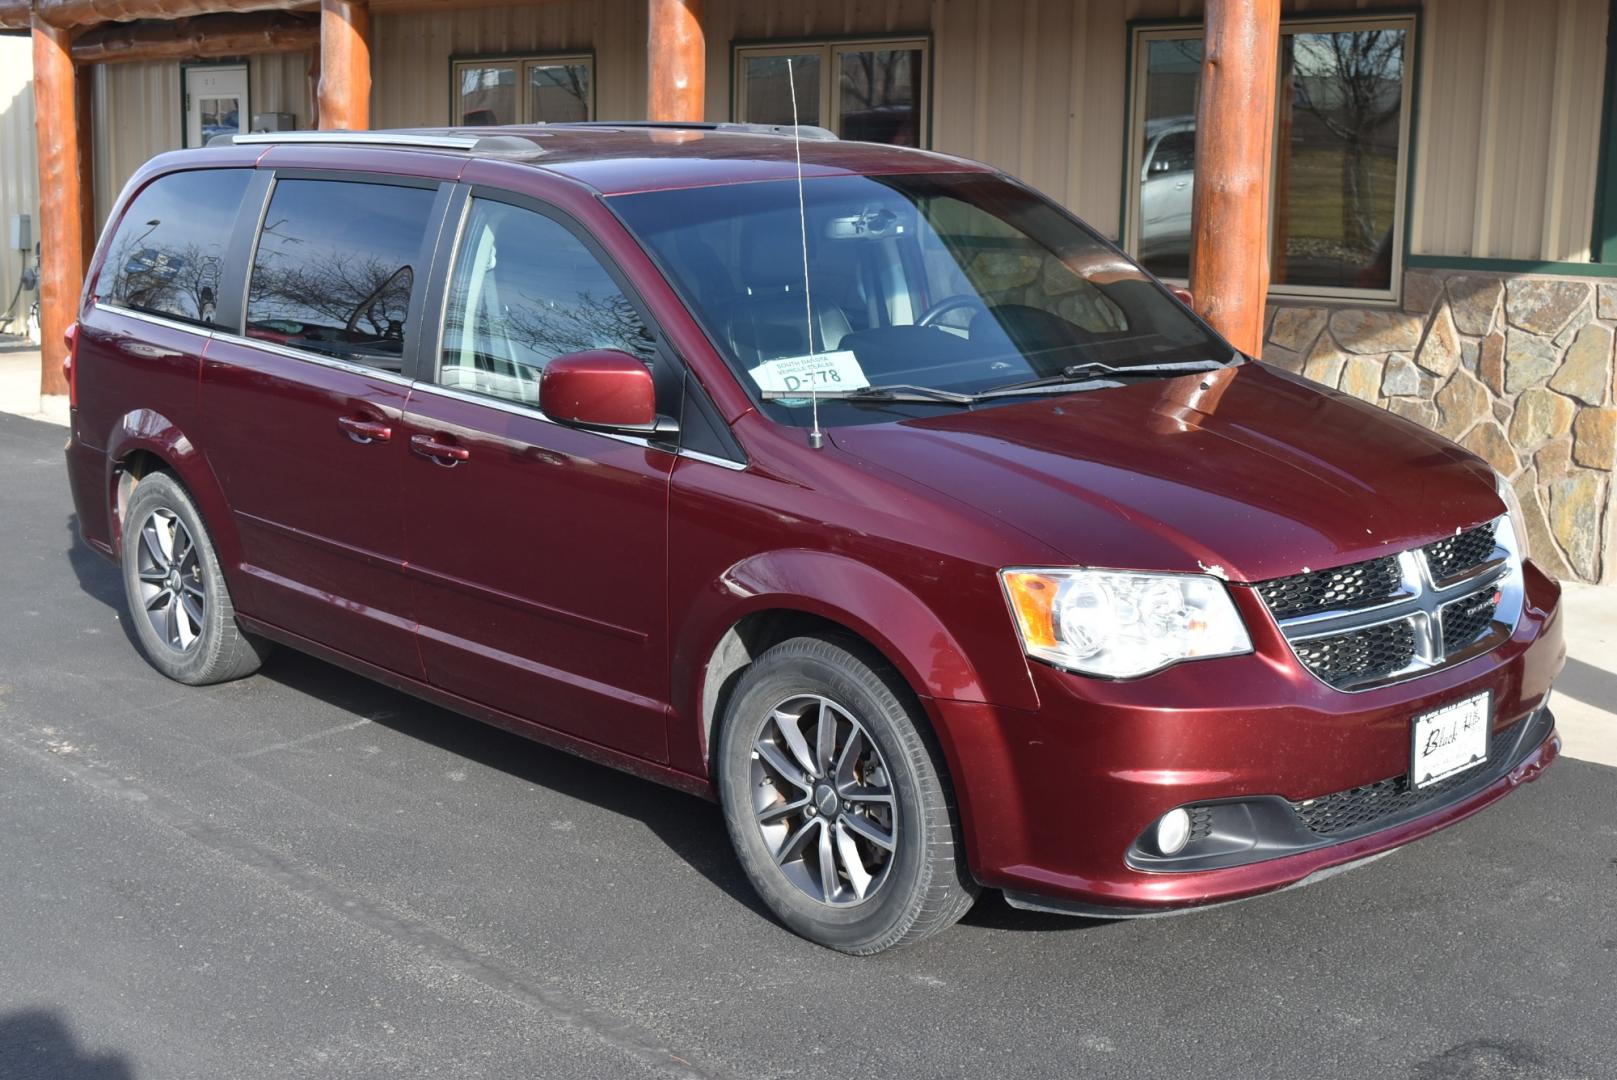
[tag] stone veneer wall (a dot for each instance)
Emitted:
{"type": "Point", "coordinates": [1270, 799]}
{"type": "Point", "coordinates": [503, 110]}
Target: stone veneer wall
{"type": "Point", "coordinates": [1517, 369]}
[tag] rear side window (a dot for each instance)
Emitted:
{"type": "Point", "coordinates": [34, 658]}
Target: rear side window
{"type": "Point", "coordinates": [335, 266]}
{"type": "Point", "coordinates": [168, 254]}
{"type": "Point", "coordinates": [524, 292]}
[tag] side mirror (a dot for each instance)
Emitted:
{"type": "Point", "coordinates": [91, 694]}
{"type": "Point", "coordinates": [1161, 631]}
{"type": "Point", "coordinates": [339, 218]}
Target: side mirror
{"type": "Point", "coordinates": [1182, 294]}
{"type": "Point", "coordinates": [599, 388]}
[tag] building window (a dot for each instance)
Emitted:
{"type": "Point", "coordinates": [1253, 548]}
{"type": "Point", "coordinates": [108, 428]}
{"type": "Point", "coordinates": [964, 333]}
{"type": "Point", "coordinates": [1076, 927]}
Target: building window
{"type": "Point", "coordinates": [1341, 146]}
{"type": "Point", "coordinates": [523, 90]}
{"type": "Point", "coordinates": [873, 91]}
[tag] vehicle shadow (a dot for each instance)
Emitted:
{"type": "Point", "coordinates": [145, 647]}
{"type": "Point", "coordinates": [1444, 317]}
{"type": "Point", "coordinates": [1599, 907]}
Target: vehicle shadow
{"type": "Point", "coordinates": [691, 827]}
{"type": "Point", "coordinates": [37, 1043]}
{"type": "Point", "coordinates": [98, 578]}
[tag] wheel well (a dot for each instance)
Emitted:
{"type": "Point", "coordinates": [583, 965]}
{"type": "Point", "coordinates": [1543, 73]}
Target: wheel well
{"type": "Point", "coordinates": [752, 637]}
{"type": "Point", "coordinates": [134, 467]}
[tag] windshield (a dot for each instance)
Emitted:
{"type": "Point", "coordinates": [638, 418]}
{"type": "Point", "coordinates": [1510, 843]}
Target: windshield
{"type": "Point", "coordinates": [958, 283]}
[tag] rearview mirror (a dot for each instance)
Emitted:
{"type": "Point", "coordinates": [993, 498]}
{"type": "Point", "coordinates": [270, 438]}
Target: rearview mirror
{"type": "Point", "coordinates": [599, 388]}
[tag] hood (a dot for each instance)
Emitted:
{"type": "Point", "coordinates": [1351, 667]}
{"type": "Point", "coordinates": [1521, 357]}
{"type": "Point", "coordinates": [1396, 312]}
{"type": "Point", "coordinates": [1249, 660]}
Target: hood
{"type": "Point", "coordinates": [1248, 473]}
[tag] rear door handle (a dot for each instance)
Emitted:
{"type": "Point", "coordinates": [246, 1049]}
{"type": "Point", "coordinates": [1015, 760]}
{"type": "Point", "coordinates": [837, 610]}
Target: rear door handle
{"type": "Point", "coordinates": [441, 452]}
{"type": "Point", "coordinates": [364, 430]}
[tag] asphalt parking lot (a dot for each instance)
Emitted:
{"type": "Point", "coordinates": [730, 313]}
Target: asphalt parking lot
{"type": "Point", "coordinates": [305, 874]}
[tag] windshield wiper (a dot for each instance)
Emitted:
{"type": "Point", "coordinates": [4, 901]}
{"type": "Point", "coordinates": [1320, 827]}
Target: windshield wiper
{"type": "Point", "coordinates": [898, 392]}
{"type": "Point", "coordinates": [1078, 374]}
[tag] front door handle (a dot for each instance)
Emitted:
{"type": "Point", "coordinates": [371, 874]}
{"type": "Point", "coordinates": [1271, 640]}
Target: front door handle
{"type": "Point", "coordinates": [442, 452]}
{"type": "Point", "coordinates": [364, 430]}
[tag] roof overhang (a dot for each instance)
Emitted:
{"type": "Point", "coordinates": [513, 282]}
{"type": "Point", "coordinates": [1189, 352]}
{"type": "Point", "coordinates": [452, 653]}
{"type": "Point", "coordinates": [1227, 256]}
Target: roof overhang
{"type": "Point", "coordinates": [78, 14]}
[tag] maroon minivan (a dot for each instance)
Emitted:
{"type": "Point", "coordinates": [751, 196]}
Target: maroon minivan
{"type": "Point", "coordinates": [874, 496]}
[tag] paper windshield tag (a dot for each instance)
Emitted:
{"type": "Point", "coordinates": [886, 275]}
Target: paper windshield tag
{"type": "Point", "coordinates": [829, 371]}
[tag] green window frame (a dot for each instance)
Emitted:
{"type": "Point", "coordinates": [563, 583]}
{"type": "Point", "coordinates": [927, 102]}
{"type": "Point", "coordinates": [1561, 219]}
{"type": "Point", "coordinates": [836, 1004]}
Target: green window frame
{"type": "Point", "coordinates": [574, 77]}
{"type": "Point", "coordinates": [1143, 35]}
{"type": "Point", "coordinates": [824, 109]}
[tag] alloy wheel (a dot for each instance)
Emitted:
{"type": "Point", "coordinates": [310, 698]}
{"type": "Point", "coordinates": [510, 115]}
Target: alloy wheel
{"type": "Point", "coordinates": [823, 799]}
{"type": "Point", "coordinates": [172, 590]}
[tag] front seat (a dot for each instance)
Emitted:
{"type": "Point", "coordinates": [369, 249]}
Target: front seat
{"type": "Point", "coordinates": [767, 321]}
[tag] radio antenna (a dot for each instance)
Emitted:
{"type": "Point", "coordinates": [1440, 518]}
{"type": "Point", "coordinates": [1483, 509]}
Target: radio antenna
{"type": "Point", "coordinates": [816, 439]}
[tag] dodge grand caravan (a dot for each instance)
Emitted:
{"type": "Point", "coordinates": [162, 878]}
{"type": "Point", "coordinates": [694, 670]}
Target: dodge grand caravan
{"type": "Point", "coordinates": [870, 494]}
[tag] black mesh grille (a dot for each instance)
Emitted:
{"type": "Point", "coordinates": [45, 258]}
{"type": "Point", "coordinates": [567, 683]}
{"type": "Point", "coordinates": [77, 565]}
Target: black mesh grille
{"type": "Point", "coordinates": [1465, 620]}
{"type": "Point", "coordinates": [1201, 823]}
{"type": "Point", "coordinates": [1359, 655]}
{"type": "Point", "coordinates": [1327, 590]}
{"type": "Point", "coordinates": [1457, 554]}
{"type": "Point", "coordinates": [1355, 808]}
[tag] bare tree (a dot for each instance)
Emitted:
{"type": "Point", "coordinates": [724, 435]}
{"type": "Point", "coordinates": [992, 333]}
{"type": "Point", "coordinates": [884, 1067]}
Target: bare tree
{"type": "Point", "coordinates": [1352, 83]}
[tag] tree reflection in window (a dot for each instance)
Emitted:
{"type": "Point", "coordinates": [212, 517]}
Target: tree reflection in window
{"type": "Point", "coordinates": [335, 267]}
{"type": "Point", "coordinates": [525, 290]}
{"type": "Point", "coordinates": [168, 253]}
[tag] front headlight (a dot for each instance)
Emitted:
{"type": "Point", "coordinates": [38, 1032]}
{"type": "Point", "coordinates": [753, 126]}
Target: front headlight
{"type": "Point", "coordinates": [1120, 625]}
{"type": "Point", "coordinates": [1513, 511]}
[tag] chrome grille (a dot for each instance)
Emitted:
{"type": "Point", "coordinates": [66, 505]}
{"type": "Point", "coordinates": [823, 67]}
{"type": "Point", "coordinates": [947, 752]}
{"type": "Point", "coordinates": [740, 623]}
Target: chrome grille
{"type": "Point", "coordinates": [1344, 587]}
{"type": "Point", "coordinates": [1452, 599]}
{"type": "Point", "coordinates": [1461, 553]}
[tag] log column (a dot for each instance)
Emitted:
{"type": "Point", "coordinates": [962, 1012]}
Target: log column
{"type": "Point", "coordinates": [62, 133]}
{"type": "Point", "coordinates": [1229, 258]}
{"type": "Point", "coordinates": [676, 60]}
{"type": "Point", "coordinates": [344, 99]}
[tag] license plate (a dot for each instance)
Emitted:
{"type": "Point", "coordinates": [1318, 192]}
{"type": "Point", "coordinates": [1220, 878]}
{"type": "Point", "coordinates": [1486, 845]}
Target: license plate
{"type": "Point", "coordinates": [1449, 740]}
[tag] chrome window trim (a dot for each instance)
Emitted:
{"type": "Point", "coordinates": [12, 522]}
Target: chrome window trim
{"type": "Point", "coordinates": [1420, 602]}
{"type": "Point", "coordinates": [205, 329]}
{"type": "Point", "coordinates": [532, 413]}
{"type": "Point", "coordinates": [711, 459]}
{"type": "Point", "coordinates": [313, 357]}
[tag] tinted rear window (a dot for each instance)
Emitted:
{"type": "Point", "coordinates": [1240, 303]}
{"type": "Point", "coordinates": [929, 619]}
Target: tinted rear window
{"type": "Point", "coordinates": [168, 254]}
{"type": "Point", "coordinates": [335, 267]}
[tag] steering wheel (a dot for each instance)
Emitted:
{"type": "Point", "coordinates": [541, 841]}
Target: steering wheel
{"type": "Point", "coordinates": [948, 304]}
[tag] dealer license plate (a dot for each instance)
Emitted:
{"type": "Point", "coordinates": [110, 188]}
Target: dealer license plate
{"type": "Point", "coordinates": [1450, 740]}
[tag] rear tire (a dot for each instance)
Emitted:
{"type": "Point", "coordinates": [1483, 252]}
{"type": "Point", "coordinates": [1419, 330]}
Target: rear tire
{"type": "Point", "coordinates": [178, 601]}
{"type": "Point", "coordinates": [837, 799]}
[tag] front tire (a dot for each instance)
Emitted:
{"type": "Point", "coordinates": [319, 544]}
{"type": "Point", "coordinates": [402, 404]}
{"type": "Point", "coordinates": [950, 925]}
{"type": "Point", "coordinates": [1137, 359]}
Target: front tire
{"type": "Point", "coordinates": [178, 601]}
{"type": "Point", "coordinates": [837, 800]}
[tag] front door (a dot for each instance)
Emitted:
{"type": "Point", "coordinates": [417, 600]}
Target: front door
{"type": "Point", "coordinates": [538, 551]}
{"type": "Point", "coordinates": [215, 102]}
{"type": "Point", "coordinates": [302, 412]}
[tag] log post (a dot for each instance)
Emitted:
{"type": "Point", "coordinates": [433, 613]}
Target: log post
{"type": "Point", "coordinates": [62, 145]}
{"type": "Point", "coordinates": [676, 61]}
{"type": "Point", "coordinates": [345, 65]}
{"type": "Point", "coordinates": [1229, 257]}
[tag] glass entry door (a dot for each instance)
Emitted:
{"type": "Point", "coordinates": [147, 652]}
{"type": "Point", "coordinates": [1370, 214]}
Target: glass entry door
{"type": "Point", "coordinates": [215, 102]}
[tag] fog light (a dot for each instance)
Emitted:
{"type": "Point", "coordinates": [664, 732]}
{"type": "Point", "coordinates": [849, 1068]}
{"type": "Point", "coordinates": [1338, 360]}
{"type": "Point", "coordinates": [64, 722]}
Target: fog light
{"type": "Point", "coordinates": [1173, 832]}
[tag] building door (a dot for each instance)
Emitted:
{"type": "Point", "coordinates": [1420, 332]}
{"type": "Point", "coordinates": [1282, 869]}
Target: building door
{"type": "Point", "coordinates": [215, 102]}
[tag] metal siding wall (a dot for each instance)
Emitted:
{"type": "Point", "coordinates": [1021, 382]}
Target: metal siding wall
{"type": "Point", "coordinates": [279, 82]}
{"type": "Point", "coordinates": [19, 176]}
{"type": "Point", "coordinates": [410, 53]}
{"type": "Point", "coordinates": [137, 116]}
{"type": "Point", "coordinates": [1507, 151]}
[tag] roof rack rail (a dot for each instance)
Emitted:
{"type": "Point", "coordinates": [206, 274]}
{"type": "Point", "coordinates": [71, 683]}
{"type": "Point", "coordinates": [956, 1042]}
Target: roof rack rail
{"type": "Point", "coordinates": [352, 138]}
{"type": "Point", "coordinates": [804, 131]}
{"type": "Point", "coordinates": [512, 145]}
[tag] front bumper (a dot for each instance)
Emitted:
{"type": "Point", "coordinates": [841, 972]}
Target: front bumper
{"type": "Point", "coordinates": [1053, 801]}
